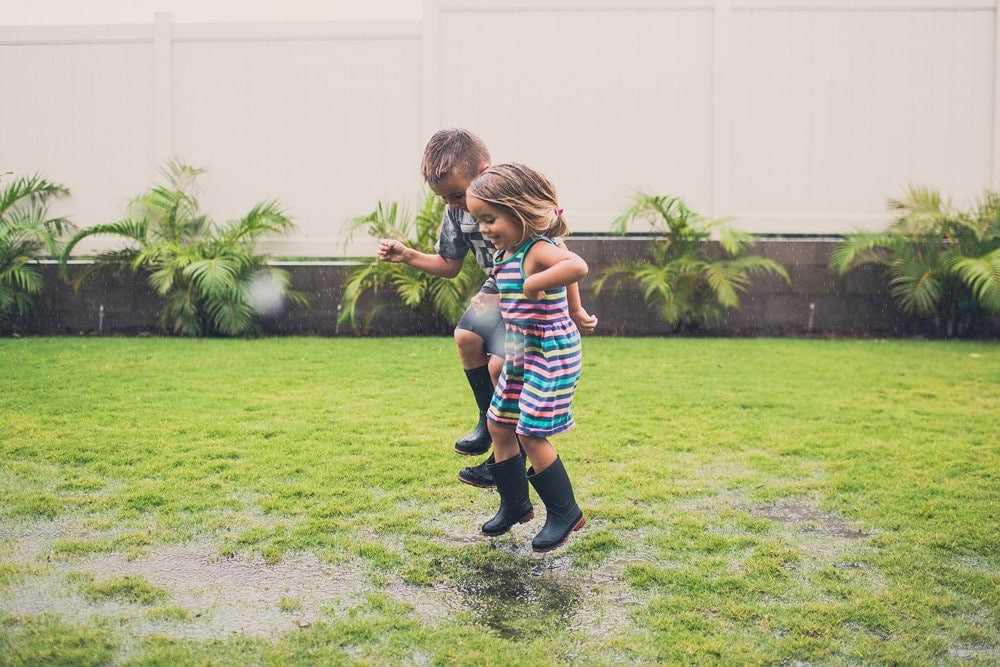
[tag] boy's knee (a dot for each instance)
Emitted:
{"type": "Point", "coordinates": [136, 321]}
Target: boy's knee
{"type": "Point", "coordinates": [469, 342]}
{"type": "Point", "coordinates": [496, 365]}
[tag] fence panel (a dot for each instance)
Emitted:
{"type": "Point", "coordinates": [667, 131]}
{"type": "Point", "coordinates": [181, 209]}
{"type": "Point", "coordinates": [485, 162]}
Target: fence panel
{"type": "Point", "coordinates": [791, 116]}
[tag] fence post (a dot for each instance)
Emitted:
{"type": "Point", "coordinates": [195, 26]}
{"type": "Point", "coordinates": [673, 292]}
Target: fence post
{"type": "Point", "coordinates": [722, 94]}
{"type": "Point", "coordinates": [430, 68]}
{"type": "Point", "coordinates": [995, 176]}
{"type": "Point", "coordinates": [163, 88]}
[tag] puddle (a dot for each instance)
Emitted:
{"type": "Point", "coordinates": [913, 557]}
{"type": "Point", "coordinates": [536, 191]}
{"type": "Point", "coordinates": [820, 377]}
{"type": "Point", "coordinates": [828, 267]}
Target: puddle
{"type": "Point", "coordinates": [213, 597]}
{"type": "Point", "coordinates": [519, 597]}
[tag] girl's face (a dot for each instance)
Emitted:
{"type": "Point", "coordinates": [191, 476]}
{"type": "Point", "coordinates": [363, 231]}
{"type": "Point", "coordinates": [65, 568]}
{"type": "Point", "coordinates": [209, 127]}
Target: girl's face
{"type": "Point", "coordinates": [498, 226]}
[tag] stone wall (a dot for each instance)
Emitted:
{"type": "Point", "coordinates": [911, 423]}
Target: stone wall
{"type": "Point", "coordinates": [856, 304]}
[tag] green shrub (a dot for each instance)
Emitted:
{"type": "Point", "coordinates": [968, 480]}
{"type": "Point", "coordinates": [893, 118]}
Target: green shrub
{"type": "Point", "coordinates": [689, 279]}
{"type": "Point", "coordinates": [26, 232]}
{"type": "Point", "coordinates": [942, 263]}
{"type": "Point", "coordinates": [438, 302]}
{"type": "Point", "coordinates": [206, 274]}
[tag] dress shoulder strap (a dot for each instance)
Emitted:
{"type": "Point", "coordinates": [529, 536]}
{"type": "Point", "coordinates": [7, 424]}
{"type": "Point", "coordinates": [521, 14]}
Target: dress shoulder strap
{"type": "Point", "coordinates": [523, 250]}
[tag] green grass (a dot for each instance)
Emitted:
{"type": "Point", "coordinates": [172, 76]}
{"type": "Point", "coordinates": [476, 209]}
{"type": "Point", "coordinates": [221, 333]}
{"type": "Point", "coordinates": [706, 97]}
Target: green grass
{"type": "Point", "coordinates": [749, 502]}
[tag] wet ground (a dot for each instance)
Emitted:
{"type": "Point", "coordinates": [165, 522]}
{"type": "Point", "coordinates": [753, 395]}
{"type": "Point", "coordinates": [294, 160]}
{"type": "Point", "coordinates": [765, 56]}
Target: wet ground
{"type": "Point", "coordinates": [212, 596]}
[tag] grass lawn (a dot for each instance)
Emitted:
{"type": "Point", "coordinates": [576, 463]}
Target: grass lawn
{"type": "Point", "coordinates": [293, 501]}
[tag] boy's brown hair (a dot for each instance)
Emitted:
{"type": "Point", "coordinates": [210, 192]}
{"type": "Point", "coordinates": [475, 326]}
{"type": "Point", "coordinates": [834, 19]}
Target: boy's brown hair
{"type": "Point", "coordinates": [453, 151]}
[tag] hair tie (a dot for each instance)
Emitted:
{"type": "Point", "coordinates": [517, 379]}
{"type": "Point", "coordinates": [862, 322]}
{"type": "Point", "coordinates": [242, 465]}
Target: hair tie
{"type": "Point", "coordinates": [559, 211]}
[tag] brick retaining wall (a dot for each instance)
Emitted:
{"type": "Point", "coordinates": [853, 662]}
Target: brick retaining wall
{"type": "Point", "coordinates": [856, 304]}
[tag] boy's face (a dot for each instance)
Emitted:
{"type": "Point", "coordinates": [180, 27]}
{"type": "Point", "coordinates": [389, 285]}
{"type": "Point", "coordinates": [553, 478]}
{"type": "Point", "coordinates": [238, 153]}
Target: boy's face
{"type": "Point", "coordinates": [452, 189]}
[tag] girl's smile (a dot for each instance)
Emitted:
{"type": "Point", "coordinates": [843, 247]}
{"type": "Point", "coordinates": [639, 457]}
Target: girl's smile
{"type": "Point", "coordinates": [497, 225]}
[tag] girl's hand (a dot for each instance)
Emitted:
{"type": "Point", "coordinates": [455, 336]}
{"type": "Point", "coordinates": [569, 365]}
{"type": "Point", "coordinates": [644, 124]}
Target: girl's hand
{"type": "Point", "coordinates": [534, 295]}
{"type": "Point", "coordinates": [584, 321]}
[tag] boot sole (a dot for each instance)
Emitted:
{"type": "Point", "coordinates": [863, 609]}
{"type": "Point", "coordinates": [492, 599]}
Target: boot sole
{"type": "Point", "coordinates": [524, 519]}
{"type": "Point", "coordinates": [473, 452]}
{"type": "Point", "coordinates": [579, 524]}
{"type": "Point", "coordinates": [478, 485]}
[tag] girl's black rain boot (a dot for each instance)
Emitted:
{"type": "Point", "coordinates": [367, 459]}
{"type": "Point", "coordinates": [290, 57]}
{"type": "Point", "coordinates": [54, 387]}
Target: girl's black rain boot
{"type": "Point", "coordinates": [478, 440]}
{"type": "Point", "coordinates": [563, 515]}
{"type": "Point", "coordinates": [512, 485]}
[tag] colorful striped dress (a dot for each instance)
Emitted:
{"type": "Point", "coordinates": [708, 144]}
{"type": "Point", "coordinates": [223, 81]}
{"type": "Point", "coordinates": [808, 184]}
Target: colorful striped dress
{"type": "Point", "coordinates": [543, 354]}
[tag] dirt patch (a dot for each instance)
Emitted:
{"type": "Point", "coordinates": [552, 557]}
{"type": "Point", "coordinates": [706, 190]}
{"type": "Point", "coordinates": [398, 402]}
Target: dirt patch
{"type": "Point", "coordinates": [221, 596]}
{"type": "Point", "coordinates": [807, 518]}
{"type": "Point", "coordinates": [213, 597]}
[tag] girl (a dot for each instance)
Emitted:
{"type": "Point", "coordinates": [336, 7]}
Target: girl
{"type": "Point", "coordinates": [517, 210]}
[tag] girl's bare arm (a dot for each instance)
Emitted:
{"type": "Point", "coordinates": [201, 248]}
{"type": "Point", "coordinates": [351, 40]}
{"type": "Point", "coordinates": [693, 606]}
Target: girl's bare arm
{"type": "Point", "coordinates": [547, 266]}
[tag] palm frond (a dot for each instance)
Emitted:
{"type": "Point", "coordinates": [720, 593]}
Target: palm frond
{"type": "Point", "coordinates": [29, 191]}
{"type": "Point", "coordinates": [734, 242]}
{"type": "Point", "coordinates": [982, 276]}
{"type": "Point", "coordinates": [861, 248]}
{"type": "Point", "coordinates": [614, 274]}
{"type": "Point", "coordinates": [26, 230]}
{"type": "Point", "coordinates": [132, 231]}
{"type": "Point", "coordinates": [215, 277]}
{"type": "Point", "coordinates": [916, 286]}
{"type": "Point", "coordinates": [726, 285]}
{"type": "Point", "coordinates": [438, 301]}
{"type": "Point", "coordinates": [203, 272]}
{"type": "Point", "coordinates": [686, 278]}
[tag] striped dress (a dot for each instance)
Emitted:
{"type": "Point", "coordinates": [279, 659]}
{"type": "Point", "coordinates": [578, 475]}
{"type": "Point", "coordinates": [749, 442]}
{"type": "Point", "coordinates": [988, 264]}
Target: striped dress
{"type": "Point", "coordinates": [543, 354]}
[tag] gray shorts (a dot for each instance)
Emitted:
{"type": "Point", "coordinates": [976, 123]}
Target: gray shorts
{"type": "Point", "coordinates": [488, 326]}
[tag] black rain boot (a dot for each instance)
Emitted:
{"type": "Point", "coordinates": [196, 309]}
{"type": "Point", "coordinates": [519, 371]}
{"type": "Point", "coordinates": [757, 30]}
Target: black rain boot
{"type": "Point", "coordinates": [478, 440]}
{"type": "Point", "coordinates": [512, 485]}
{"type": "Point", "coordinates": [479, 475]}
{"type": "Point", "coordinates": [563, 515]}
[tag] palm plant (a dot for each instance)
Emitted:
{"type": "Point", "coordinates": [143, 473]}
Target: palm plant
{"type": "Point", "coordinates": [26, 231]}
{"type": "Point", "coordinates": [204, 273]}
{"type": "Point", "coordinates": [438, 302]}
{"type": "Point", "coordinates": [942, 264]}
{"type": "Point", "coordinates": [687, 278]}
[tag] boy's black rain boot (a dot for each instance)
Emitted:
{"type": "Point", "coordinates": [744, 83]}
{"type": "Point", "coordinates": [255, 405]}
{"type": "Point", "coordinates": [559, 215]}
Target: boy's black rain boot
{"type": "Point", "coordinates": [563, 515]}
{"type": "Point", "coordinates": [512, 485]}
{"type": "Point", "coordinates": [478, 440]}
{"type": "Point", "coordinates": [479, 475]}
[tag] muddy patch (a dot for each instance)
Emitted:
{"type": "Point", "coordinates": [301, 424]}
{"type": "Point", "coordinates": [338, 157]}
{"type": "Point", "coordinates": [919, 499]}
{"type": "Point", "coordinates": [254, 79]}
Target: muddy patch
{"type": "Point", "coordinates": [210, 596]}
{"type": "Point", "coordinates": [807, 518]}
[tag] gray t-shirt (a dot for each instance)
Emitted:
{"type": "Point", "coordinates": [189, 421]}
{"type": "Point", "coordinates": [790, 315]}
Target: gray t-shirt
{"type": "Point", "coordinates": [459, 235]}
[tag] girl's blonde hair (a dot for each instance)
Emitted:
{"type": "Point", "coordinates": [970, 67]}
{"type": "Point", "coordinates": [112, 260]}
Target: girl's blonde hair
{"type": "Point", "coordinates": [525, 194]}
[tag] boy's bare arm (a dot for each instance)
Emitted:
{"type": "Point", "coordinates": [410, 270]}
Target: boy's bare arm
{"type": "Point", "coordinates": [390, 250]}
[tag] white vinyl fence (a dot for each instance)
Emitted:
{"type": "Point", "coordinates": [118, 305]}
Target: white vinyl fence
{"type": "Point", "coordinates": [788, 116]}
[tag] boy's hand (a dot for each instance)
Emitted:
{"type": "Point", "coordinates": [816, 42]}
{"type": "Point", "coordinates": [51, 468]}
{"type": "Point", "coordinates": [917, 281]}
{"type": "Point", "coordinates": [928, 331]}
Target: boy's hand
{"type": "Point", "coordinates": [484, 303]}
{"type": "Point", "coordinates": [390, 250]}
